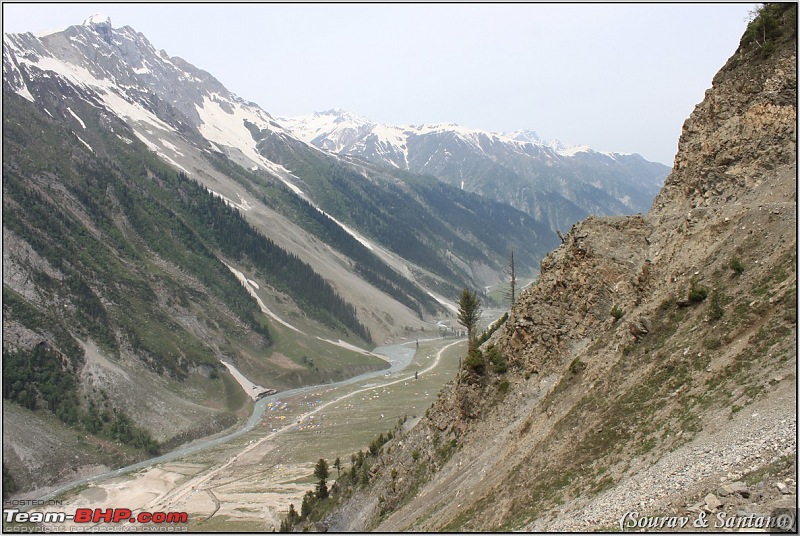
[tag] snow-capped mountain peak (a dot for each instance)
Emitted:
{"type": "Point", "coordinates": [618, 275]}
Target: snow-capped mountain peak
{"type": "Point", "coordinates": [343, 116]}
{"type": "Point", "coordinates": [129, 78]}
{"type": "Point", "coordinates": [475, 159]}
{"type": "Point", "coordinates": [102, 25]}
{"type": "Point", "coordinates": [525, 135]}
{"type": "Point", "coordinates": [97, 20]}
{"type": "Point", "coordinates": [348, 133]}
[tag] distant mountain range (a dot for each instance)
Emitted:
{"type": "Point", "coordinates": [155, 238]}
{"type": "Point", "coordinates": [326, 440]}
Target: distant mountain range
{"type": "Point", "coordinates": [547, 179]}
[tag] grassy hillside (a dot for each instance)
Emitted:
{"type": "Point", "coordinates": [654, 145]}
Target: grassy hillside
{"type": "Point", "coordinates": [106, 245]}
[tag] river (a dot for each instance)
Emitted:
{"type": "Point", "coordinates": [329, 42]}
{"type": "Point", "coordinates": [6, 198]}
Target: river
{"type": "Point", "coordinates": [400, 355]}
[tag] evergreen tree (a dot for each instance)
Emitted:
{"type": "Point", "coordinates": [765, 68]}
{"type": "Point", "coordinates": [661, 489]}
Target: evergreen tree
{"type": "Point", "coordinates": [292, 518]}
{"type": "Point", "coordinates": [337, 463]}
{"type": "Point", "coordinates": [308, 504]}
{"type": "Point", "coordinates": [469, 311]}
{"type": "Point", "coordinates": [322, 473]}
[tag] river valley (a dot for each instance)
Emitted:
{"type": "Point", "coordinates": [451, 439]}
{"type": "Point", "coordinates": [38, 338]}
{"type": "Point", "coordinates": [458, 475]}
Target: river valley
{"type": "Point", "coordinates": [246, 480]}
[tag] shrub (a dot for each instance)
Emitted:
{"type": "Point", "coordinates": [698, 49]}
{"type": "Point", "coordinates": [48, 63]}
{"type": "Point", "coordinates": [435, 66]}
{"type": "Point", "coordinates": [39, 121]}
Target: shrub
{"type": "Point", "coordinates": [669, 303]}
{"type": "Point", "coordinates": [474, 360]}
{"type": "Point", "coordinates": [697, 292]}
{"type": "Point", "coordinates": [376, 444]}
{"type": "Point", "coordinates": [715, 310]}
{"type": "Point", "coordinates": [736, 265]}
{"type": "Point", "coordinates": [497, 360]}
{"type": "Point", "coordinates": [576, 366]}
{"type": "Point", "coordinates": [790, 299]}
{"type": "Point", "coordinates": [765, 28]}
{"type": "Point", "coordinates": [617, 313]}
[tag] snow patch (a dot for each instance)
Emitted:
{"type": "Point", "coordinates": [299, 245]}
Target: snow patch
{"type": "Point", "coordinates": [226, 128]}
{"type": "Point", "coordinates": [347, 345]}
{"type": "Point", "coordinates": [171, 147]}
{"type": "Point", "coordinates": [173, 162]}
{"type": "Point", "coordinates": [156, 149]}
{"type": "Point", "coordinates": [97, 19]}
{"type": "Point", "coordinates": [249, 387]}
{"type": "Point", "coordinates": [10, 71]}
{"type": "Point", "coordinates": [106, 89]}
{"type": "Point", "coordinates": [83, 142]}
{"type": "Point", "coordinates": [150, 145]}
{"type": "Point", "coordinates": [264, 309]}
{"type": "Point", "coordinates": [24, 92]}
{"type": "Point", "coordinates": [348, 230]}
{"type": "Point", "coordinates": [76, 117]}
{"type": "Point", "coordinates": [243, 205]}
{"type": "Point", "coordinates": [572, 151]}
{"type": "Point", "coordinates": [444, 302]}
{"type": "Point", "coordinates": [223, 128]}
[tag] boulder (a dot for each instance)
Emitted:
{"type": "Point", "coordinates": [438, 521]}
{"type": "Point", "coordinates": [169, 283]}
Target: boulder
{"type": "Point", "coordinates": [712, 503]}
{"type": "Point", "coordinates": [734, 488]}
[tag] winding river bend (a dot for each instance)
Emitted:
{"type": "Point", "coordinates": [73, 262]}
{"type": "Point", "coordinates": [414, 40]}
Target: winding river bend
{"type": "Point", "coordinates": [399, 355]}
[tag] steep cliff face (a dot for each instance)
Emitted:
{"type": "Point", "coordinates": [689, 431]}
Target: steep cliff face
{"type": "Point", "coordinates": [745, 127]}
{"type": "Point", "coordinates": [653, 361]}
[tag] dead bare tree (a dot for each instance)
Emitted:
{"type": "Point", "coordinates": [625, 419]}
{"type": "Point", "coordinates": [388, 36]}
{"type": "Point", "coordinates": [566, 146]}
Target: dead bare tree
{"type": "Point", "coordinates": [511, 292]}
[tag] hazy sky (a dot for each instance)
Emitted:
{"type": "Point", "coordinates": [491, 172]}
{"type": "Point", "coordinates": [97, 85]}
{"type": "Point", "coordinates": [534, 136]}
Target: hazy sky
{"type": "Point", "coordinates": [616, 77]}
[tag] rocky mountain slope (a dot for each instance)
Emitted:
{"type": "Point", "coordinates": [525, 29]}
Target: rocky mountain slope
{"type": "Point", "coordinates": [651, 369]}
{"type": "Point", "coordinates": [550, 181]}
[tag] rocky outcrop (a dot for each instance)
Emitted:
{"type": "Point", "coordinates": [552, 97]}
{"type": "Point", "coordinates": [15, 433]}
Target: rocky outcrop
{"type": "Point", "coordinates": [602, 263]}
{"type": "Point", "coordinates": [745, 127]}
{"type": "Point", "coordinates": [649, 347]}
{"type": "Point", "coordinates": [100, 24]}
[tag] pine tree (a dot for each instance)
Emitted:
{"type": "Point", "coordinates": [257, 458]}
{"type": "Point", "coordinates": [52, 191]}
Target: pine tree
{"type": "Point", "coordinates": [308, 504]}
{"type": "Point", "coordinates": [469, 311]}
{"type": "Point", "coordinates": [337, 463]}
{"type": "Point", "coordinates": [322, 473]}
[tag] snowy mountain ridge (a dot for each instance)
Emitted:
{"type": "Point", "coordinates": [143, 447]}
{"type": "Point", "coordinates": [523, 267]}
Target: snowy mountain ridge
{"type": "Point", "coordinates": [125, 72]}
{"type": "Point", "coordinates": [549, 180]}
{"type": "Point", "coordinates": [342, 131]}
